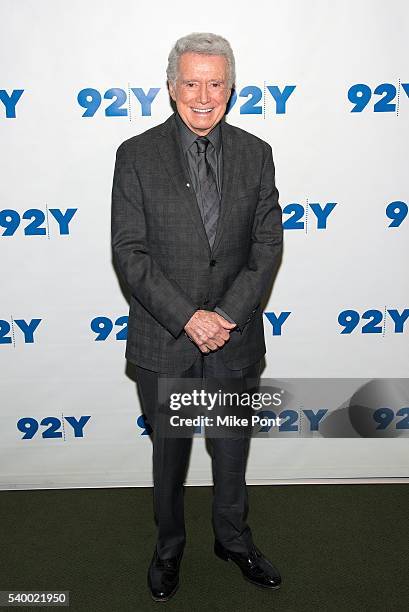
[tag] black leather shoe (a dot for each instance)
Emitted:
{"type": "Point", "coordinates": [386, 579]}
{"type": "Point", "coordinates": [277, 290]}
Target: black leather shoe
{"type": "Point", "coordinates": [163, 577]}
{"type": "Point", "coordinates": [255, 567]}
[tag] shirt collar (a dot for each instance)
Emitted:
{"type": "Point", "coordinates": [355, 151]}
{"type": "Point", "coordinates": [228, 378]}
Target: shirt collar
{"type": "Point", "coordinates": [188, 137]}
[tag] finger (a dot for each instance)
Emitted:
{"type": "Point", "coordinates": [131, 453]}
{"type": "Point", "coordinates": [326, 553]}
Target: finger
{"type": "Point", "coordinates": [224, 335]}
{"type": "Point", "coordinates": [212, 345]}
{"type": "Point", "coordinates": [200, 335]}
{"type": "Point", "coordinates": [226, 324]}
{"type": "Point", "coordinates": [221, 336]}
{"type": "Point", "coordinates": [214, 331]}
{"type": "Point", "coordinates": [218, 341]}
{"type": "Point", "coordinates": [216, 334]}
{"type": "Point", "coordinates": [210, 329]}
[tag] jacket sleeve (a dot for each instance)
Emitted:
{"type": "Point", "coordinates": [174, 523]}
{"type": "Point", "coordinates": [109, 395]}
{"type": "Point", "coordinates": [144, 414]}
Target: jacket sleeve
{"type": "Point", "coordinates": [245, 293]}
{"type": "Point", "coordinates": [161, 296]}
{"type": "Point", "coordinates": [224, 315]}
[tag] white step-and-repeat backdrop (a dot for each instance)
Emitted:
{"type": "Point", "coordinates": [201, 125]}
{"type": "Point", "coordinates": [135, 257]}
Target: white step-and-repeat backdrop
{"type": "Point", "coordinates": [327, 85]}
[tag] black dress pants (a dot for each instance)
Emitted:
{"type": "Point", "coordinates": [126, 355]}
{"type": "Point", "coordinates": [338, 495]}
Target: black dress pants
{"type": "Point", "coordinates": [171, 457]}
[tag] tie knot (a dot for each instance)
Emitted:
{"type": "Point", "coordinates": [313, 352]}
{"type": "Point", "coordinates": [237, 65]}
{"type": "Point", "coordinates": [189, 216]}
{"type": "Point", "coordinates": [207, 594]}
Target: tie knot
{"type": "Point", "coordinates": [202, 143]}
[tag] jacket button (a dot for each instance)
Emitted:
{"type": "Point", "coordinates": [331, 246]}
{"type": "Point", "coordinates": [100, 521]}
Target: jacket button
{"type": "Point", "coordinates": [212, 262]}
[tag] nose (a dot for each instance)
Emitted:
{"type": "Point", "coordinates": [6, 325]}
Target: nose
{"type": "Point", "coordinates": [203, 94]}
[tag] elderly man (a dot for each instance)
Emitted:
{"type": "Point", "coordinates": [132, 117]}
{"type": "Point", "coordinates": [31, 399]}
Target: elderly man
{"type": "Point", "coordinates": [197, 235]}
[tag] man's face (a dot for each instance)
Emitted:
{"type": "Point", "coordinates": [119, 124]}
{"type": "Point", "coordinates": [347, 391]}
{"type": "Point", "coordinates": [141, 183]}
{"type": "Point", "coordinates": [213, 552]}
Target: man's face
{"type": "Point", "coordinates": [201, 93]}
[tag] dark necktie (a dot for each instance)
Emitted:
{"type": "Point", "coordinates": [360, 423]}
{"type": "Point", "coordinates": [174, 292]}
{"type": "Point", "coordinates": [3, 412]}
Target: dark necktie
{"type": "Point", "coordinates": [208, 187]}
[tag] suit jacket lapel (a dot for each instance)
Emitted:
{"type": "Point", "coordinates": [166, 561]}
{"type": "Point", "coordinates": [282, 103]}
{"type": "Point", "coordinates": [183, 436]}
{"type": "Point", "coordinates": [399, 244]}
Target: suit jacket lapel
{"type": "Point", "coordinates": [231, 171]}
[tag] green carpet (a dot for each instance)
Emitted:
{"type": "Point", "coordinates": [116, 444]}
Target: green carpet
{"type": "Point", "coordinates": [338, 547]}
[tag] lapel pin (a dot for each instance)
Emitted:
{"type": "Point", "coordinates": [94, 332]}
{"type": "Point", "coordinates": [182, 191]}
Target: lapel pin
{"type": "Point", "coordinates": [187, 184]}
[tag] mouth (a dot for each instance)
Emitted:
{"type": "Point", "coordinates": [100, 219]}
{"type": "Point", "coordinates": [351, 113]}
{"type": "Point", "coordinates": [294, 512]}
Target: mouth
{"type": "Point", "coordinates": [202, 111]}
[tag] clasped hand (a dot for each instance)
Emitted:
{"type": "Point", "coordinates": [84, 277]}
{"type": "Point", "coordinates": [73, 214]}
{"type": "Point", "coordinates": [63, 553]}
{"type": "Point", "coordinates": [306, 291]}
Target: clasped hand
{"type": "Point", "coordinates": [208, 330]}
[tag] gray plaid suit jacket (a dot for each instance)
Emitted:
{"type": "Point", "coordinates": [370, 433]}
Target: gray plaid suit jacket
{"type": "Point", "coordinates": [160, 246]}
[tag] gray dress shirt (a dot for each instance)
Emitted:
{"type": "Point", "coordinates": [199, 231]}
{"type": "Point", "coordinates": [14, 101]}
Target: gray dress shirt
{"type": "Point", "coordinates": [215, 159]}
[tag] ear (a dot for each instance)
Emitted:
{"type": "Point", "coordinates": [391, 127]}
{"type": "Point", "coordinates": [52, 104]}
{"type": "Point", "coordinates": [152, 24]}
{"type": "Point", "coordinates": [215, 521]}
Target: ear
{"type": "Point", "coordinates": [172, 91]}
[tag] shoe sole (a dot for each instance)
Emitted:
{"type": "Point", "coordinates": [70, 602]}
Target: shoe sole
{"type": "Point", "coordinates": [164, 599]}
{"type": "Point", "coordinates": [262, 586]}
{"type": "Point", "coordinates": [256, 584]}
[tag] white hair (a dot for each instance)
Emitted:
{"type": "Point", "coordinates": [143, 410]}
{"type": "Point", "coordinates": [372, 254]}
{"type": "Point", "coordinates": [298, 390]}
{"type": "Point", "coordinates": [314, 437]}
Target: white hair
{"type": "Point", "coordinates": [206, 44]}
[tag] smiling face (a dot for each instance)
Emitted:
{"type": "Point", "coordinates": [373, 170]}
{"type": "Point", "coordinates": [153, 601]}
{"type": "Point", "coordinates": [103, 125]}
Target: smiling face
{"type": "Point", "coordinates": [201, 91]}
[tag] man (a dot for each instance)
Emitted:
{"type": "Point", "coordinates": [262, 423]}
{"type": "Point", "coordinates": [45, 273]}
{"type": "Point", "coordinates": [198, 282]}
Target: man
{"type": "Point", "coordinates": [197, 235]}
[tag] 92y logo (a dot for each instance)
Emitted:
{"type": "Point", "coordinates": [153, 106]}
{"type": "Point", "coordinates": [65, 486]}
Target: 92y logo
{"type": "Point", "coordinates": [374, 321]}
{"type": "Point", "coordinates": [385, 97]}
{"type": "Point", "coordinates": [17, 329]}
{"type": "Point", "coordinates": [9, 101]}
{"type": "Point", "coordinates": [39, 224]}
{"type": "Point", "coordinates": [120, 101]}
{"type": "Point", "coordinates": [52, 427]}
{"type": "Point", "coordinates": [104, 326]}
{"type": "Point", "coordinates": [397, 212]}
{"type": "Point", "coordinates": [312, 215]}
